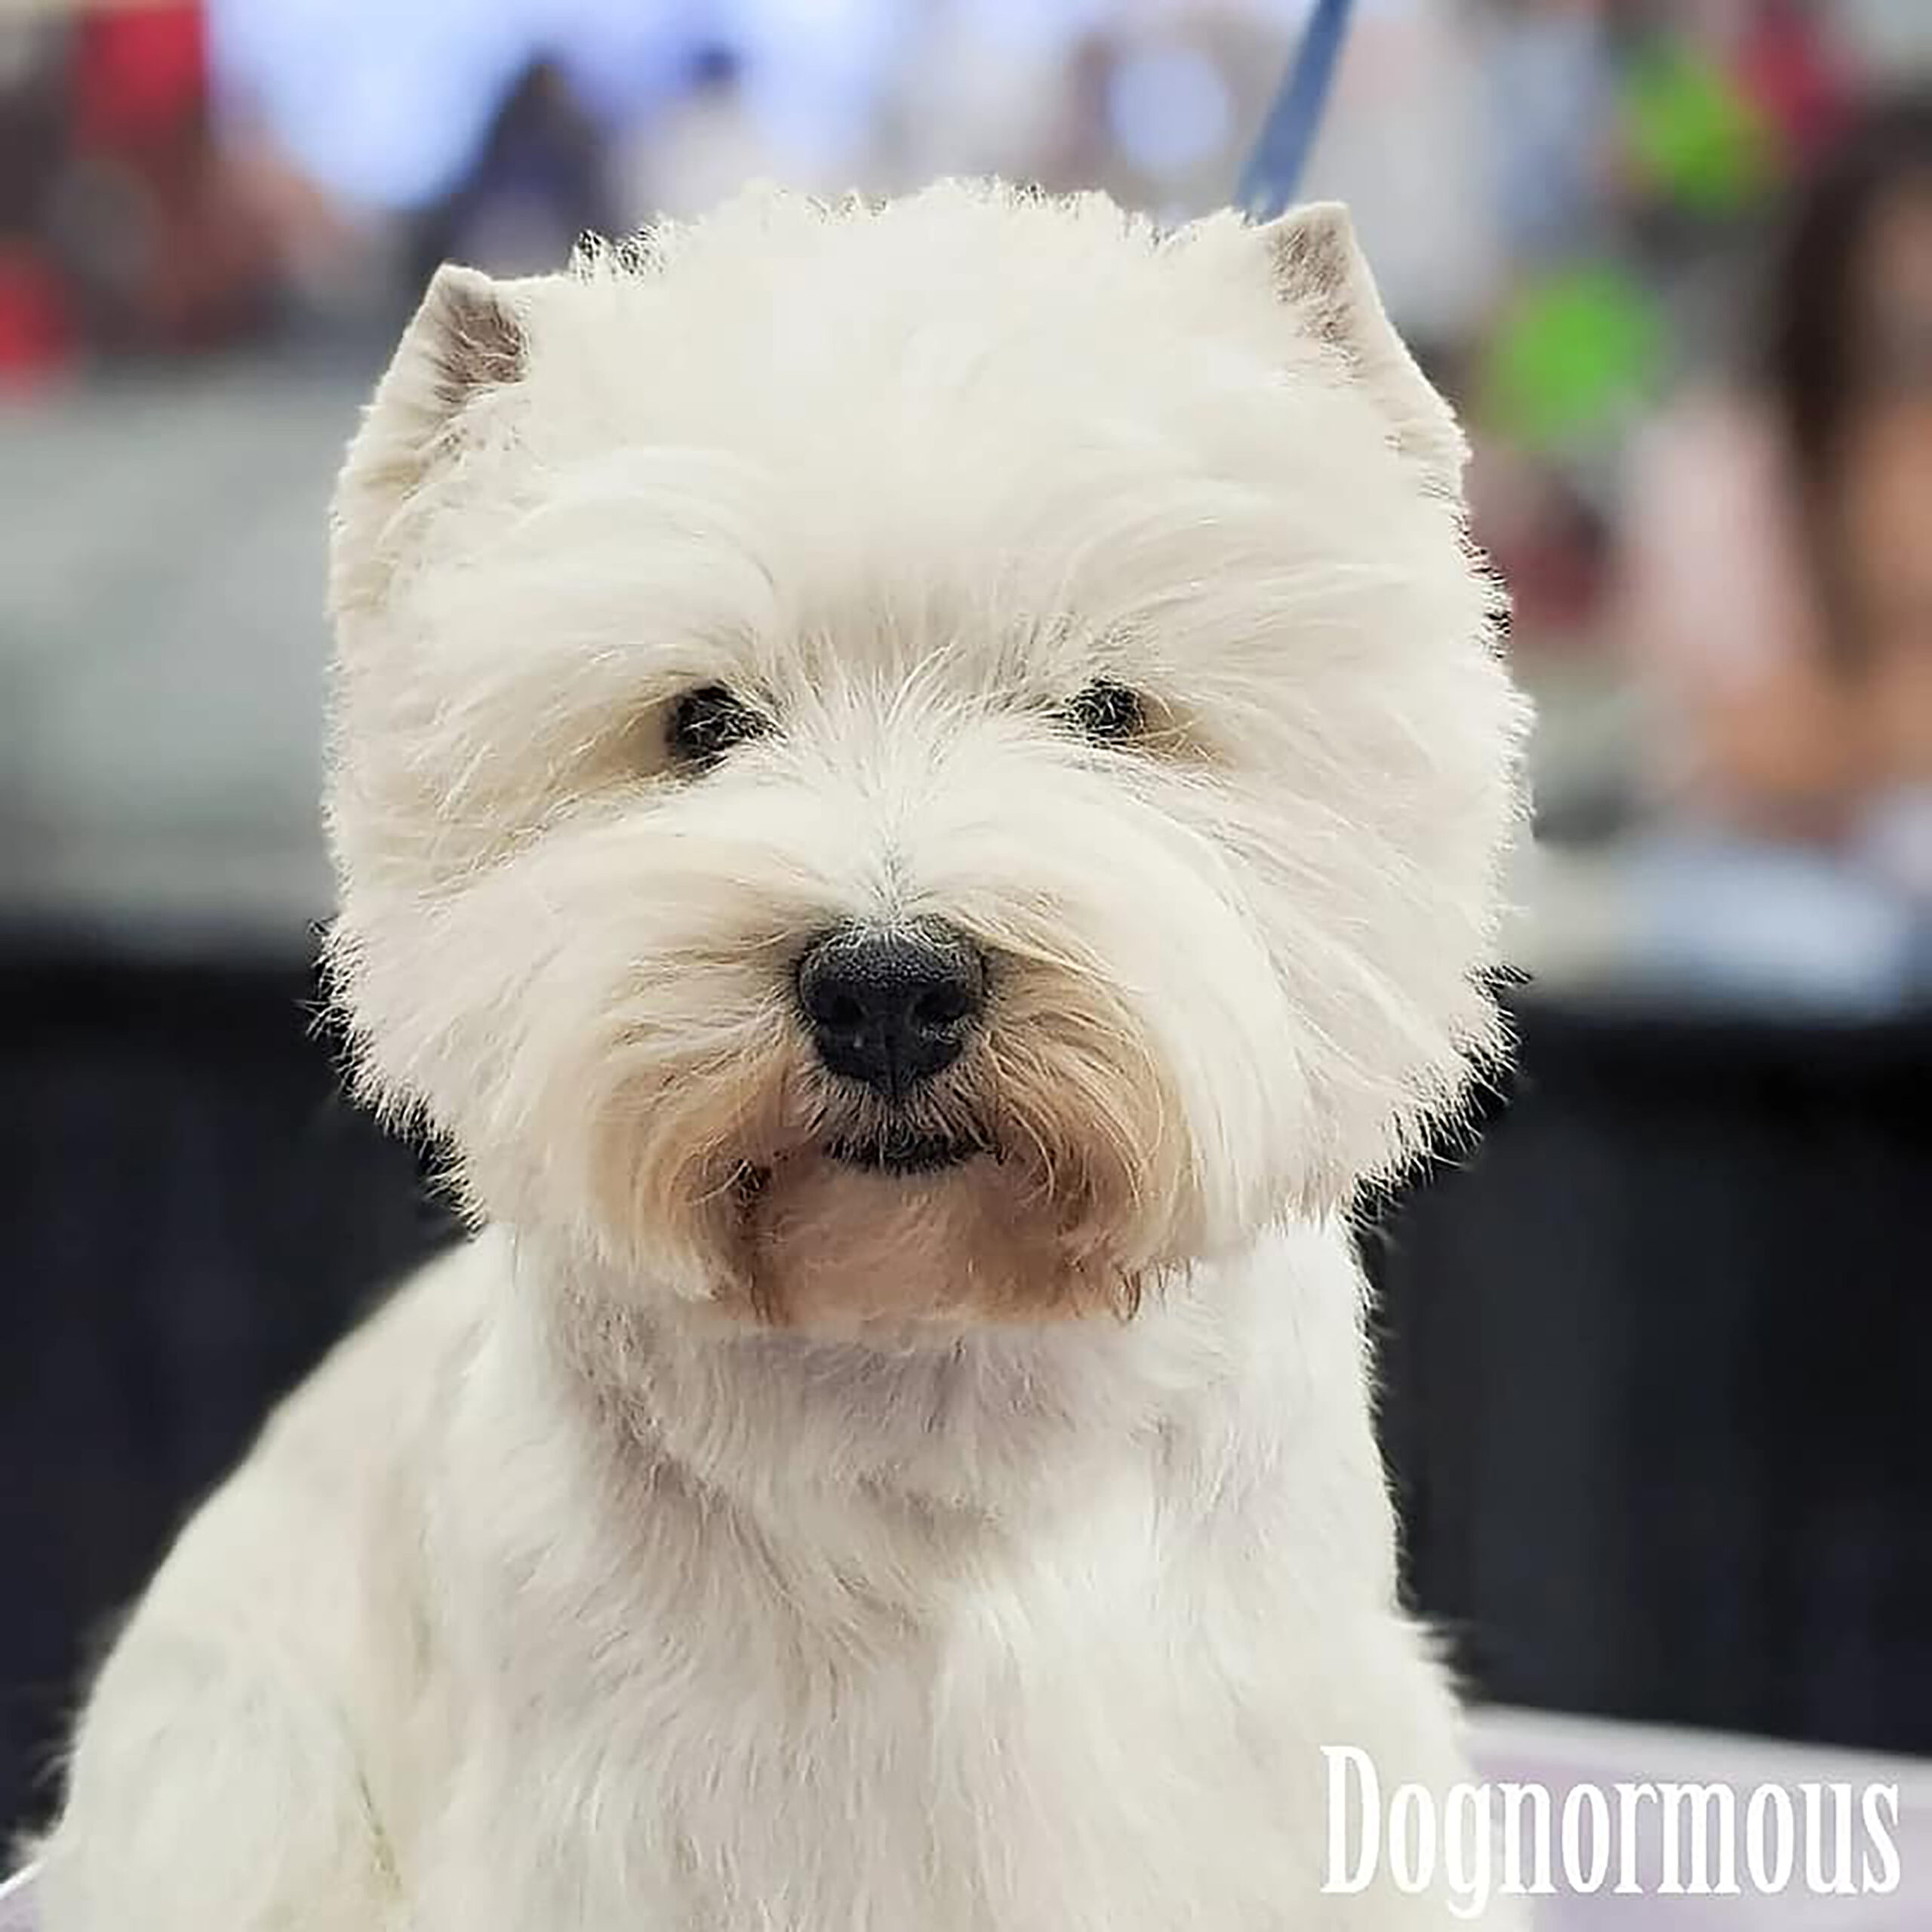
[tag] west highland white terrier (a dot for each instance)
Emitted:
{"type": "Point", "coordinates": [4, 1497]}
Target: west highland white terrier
{"type": "Point", "coordinates": [918, 791]}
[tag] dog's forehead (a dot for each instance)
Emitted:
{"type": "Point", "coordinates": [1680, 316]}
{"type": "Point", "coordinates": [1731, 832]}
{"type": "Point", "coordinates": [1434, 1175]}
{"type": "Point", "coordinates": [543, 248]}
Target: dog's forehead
{"type": "Point", "coordinates": [899, 438]}
{"type": "Point", "coordinates": [1000, 441]}
{"type": "Point", "coordinates": [940, 321]}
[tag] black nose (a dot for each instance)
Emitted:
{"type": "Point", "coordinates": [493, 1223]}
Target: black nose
{"type": "Point", "coordinates": [891, 1008]}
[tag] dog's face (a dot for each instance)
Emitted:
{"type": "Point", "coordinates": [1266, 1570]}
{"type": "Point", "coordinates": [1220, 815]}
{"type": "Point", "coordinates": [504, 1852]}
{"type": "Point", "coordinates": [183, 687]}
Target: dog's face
{"type": "Point", "coordinates": [934, 761]}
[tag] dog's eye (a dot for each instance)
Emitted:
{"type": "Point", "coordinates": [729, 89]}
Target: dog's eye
{"type": "Point", "coordinates": [1109, 713]}
{"type": "Point", "coordinates": [706, 723]}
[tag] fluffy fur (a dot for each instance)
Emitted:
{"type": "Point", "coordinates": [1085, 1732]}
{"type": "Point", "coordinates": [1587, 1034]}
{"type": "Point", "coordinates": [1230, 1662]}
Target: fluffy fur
{"type": "Point", "coordinates": [731, 1536]}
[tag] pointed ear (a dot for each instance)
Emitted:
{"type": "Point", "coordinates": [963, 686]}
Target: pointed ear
{"type": "Point", "coordinates": [467, 340]}
{"type": "Point", "coordinates": [1319, 270]}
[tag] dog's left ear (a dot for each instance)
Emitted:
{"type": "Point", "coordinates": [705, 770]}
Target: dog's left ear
{"type": "Point", "coordinates": [1319, 270]}
{"type": "Point", "coordinates": [468, 342]}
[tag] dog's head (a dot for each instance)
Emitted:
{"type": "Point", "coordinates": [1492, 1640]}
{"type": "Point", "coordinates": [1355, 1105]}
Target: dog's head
{"type": "Point", "coordinates": [943, 758]}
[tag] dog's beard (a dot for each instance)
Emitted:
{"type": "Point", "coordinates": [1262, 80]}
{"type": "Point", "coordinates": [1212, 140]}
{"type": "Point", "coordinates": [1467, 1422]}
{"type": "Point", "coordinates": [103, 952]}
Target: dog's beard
{"type": "Point", "coordinates": [824, 1243]}
{"type": "Point", "coordinates": [1035, 1180]}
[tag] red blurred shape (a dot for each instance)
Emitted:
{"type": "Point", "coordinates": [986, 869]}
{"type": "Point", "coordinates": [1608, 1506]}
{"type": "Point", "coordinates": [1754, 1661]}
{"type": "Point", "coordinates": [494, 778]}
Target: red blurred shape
{"type": "Point", "coordinates": [140, 73]}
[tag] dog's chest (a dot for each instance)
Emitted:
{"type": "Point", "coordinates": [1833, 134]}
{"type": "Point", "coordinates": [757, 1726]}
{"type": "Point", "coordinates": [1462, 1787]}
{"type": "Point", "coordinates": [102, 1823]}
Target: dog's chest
{"type": "Point", "coordinates": [1069, 1758]}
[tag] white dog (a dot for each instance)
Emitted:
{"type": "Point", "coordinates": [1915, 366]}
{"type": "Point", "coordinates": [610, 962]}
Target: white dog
{"type": "Point", "coordinates": [918, 791]}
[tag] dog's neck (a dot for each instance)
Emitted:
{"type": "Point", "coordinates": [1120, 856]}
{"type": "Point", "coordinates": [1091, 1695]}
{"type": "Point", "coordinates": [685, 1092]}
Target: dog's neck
{"type": "Point", "coordinates": [997, 1422]}
{"type": "Point", "coordinates": [822, 1488]}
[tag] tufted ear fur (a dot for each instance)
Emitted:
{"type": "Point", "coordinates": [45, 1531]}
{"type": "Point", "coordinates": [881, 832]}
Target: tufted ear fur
{"type": "Point", "coordinates": [467, 341]}
{"type": "Point", "coordinates": [1320, 269]}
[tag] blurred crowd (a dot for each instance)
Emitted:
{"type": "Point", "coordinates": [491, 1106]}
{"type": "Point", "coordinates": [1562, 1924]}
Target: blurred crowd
{"type": "Point", "coordinates": [1674, 260]}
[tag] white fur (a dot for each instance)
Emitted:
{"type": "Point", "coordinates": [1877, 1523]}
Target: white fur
{"type": "Point", "coordinates": [842, 1555]}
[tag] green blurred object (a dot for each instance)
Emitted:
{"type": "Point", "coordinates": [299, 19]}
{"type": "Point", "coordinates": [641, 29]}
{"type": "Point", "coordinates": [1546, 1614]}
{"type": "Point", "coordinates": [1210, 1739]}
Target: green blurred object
{"type": "Point", "coordinates": [1695, 137]}
{"type": "Point", "coordinates": [1575, 351]}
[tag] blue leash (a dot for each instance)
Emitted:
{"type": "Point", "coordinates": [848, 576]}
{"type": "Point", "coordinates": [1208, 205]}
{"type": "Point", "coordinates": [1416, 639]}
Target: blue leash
{"type": "Point", "coordinates": [1281, 150]}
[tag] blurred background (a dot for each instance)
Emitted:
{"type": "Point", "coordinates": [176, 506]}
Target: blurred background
{"type": "Point", "coordinates": [1657, 1349]}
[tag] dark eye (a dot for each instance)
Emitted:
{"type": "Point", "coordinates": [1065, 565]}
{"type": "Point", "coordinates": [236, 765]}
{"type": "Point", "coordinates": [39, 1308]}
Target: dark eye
{"type": "Point", "coordinates": [1109, 713]}
{"type": "Point", "coordinates": [708, 722]}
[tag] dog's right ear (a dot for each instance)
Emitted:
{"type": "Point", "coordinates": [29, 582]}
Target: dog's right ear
{"type": "Point", "coordinates": [467, 343]}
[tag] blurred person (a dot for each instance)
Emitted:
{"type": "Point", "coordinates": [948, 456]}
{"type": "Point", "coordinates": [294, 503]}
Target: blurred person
{"type": "Point", "coordinates": [1778, 599]}
{"type": "Point", "coordinates": [165, 246]}
{"type": "Point", "coordinates": [122, 225]}
{"type": "Point", "coordinates": [1851, 361]}
{"type": "Point", "coordinates": [537, 182]}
